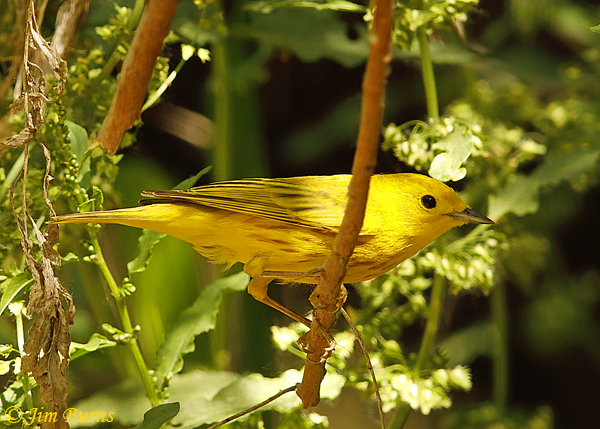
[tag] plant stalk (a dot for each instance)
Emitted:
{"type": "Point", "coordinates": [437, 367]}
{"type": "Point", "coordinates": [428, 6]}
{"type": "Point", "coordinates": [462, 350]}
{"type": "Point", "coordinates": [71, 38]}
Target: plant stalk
{"type": "Point", "coordinates": [427, 344]}
{"type": "Point", "coordinates": [433, 110]}
{"type": "Point", "coordinates": [499, 313]}
{"type": "Point", "coordinates": [21, 343]}
{"type": "Point", "coordinates": [132, 343]}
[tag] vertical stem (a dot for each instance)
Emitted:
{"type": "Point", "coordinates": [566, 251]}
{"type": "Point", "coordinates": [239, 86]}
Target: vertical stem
{"type": "Point", "coordinates": [500, 346]}
{"type": "Point", "coordinates": [433, 322]}
{"type": "Point", "coordinates": [238, 151]}
{"type": "Point", "coordinates": [222, 156]}
{"type": "Point", "coordinates": [21, 342]}
{"type": "Point", "coordinates": [222, 166]}
{"type": "Point", "coordinates": [428, 342]}
{"type": "Point", "coordinates": [433, 110]}
{"type": "Point", "coordinates": [12, 175]}
{"type": "Point", "coordinates": [402, 413]}
{"type": "Point", "coordinates": [132, 344]}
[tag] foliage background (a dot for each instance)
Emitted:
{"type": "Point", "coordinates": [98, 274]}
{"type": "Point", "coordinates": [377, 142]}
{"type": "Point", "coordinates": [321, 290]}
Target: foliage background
{"type": "Point", "coordinates": [290, 105]}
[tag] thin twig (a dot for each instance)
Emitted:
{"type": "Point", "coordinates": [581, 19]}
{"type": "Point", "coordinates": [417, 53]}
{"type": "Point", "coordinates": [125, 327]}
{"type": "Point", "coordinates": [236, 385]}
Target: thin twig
{"type": "Point", "coordinates": [255, 407]}
{"type": "Point", "coordinates": [329, 295]}
{"type": "Point", "coordinates": [361, 343]}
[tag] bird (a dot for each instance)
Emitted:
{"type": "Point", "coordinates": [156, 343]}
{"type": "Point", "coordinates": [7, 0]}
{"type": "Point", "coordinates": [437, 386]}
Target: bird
{"type": "Point", "coordinates": [284, 228]}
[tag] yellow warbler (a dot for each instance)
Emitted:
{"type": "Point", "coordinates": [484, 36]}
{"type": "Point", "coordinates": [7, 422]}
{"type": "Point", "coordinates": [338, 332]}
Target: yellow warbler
{"type": "Point", "coordinates": [285, 228]}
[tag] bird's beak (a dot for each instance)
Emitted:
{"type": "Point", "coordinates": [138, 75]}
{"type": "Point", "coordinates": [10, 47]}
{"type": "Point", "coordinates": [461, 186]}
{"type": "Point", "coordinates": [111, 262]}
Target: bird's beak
{"type": "Point", "coordinates": [469, 215]}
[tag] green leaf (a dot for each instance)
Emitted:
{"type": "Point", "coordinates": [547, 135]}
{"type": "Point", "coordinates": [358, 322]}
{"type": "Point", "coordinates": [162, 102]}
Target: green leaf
{"type": "Point", "coordinates": [155, 417]}
{"type": "Point", "coordinates": [79, 140]}
{"type": "Point", "coordinates": [204, 397]}
{"type": "Point", "coordinates": [521, 195]}
{"type": "Point", "coordinates": [96, 342]}
{"type": "Point", "coordinates": [12, 287]}
{"type": "Point", "coordinates": [467, 344]}
{"type": "Point", "coordinates": [70, 257]}
{"type": "Point", "coordinates": [518, 197]}
{"type": "Point", "coordinates": [200, 317]}
{"type": "Point", "coordinates": [189, 182]}
{"type": "Point", "coordinates": [79, 145]}
{"type": "Point", "coordinates": [149, 239]}
{"type": "Point", "coordinates": [146, 242]}
{"type": "Point", "coordinates": [458, 146]}
{"type": "Point", "coordinates": [94, 203]}
{"type": "Point", "coordinates": [312, 35]}
{"type": "Point", "coordinates": [239, 394]}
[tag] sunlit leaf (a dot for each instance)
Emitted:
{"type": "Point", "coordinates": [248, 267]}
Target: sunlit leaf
{"type": "Point", "coordinates": [457, 147]}
{"type": "Point", "coordinates": [12, 287]}
{"type": "Point", "coordinates": [95, 342]}
{"type": "Point", "coordinates": [204, 397]}
{"type": "Point", "coordinates": [200, 317]}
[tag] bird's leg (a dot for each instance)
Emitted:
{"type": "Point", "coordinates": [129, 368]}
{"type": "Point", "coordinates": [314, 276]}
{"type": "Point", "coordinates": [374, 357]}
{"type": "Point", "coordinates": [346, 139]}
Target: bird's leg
{"type": "Point", "coordinates": [258, 289]}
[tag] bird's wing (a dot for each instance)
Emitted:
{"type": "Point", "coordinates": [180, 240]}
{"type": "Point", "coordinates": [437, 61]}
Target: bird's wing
{"type": "Point", "coordinates": [306, 201]}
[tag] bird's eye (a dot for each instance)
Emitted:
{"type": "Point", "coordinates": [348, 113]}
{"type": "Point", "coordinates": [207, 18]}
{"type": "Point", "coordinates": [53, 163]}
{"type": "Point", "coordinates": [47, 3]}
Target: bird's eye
{"type": "Point", "coordinates": [428, 201]}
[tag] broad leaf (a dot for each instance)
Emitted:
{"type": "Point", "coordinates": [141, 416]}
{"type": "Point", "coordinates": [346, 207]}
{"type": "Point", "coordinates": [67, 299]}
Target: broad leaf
{"type": "Point", "coordinates": [205, 396]}
{"type": "Point", "coordinates": [200, 317]}
{"type": "Point", "coordinates": [521, 195]}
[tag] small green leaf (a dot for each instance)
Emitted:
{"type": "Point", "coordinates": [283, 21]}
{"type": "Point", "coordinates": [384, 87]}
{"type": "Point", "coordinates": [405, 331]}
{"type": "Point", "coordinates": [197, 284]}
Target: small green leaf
{"type": "Point", "coordinates": [146, 242]}
{"type": "Point", "coordinates": [149, 239]}
{"type": "Point", "coordinates": [458, 146]}
{"type": "Point", "coordinates": [96, 342]}
{"type": "Point", "coordinates": [94, 203]}
{"type": "Point", "coordinates": [467, 344]}
{"type": "Point", "coordinates": [4, 367]}
{"type": "Point", "coordinates": [200, 317]}
{"type": "Point", "coordinates": [155, 417]}
{"type": "Point", "coordinates": [70, 257]}
{"type": "Point", "coordinates": [79, 140]}
{"type": "Point", "coordinates": [12, 287]}
{"type": "Point", "coordinates": [189, 182]}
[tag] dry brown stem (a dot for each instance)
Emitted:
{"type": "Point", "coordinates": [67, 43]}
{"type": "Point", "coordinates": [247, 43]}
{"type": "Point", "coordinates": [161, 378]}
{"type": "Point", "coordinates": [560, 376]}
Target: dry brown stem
{"type": "Point", "coordinates": [136, 72]}
{"type": "Point", "coordinates": [329, 295]}
{"type": "Point", "coordinates": [46, 352]}
{"type": "Point", "coordinates": [68, 21]}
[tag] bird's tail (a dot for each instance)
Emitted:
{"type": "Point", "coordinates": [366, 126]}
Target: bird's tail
{"type": "Point", "coordinates": [121, 216]}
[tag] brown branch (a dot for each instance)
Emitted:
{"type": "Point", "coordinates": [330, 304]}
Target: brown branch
{"type": "Point", "coordinates": [329, 295]}
{"type": "Point", "coordinates": [136, 72]}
